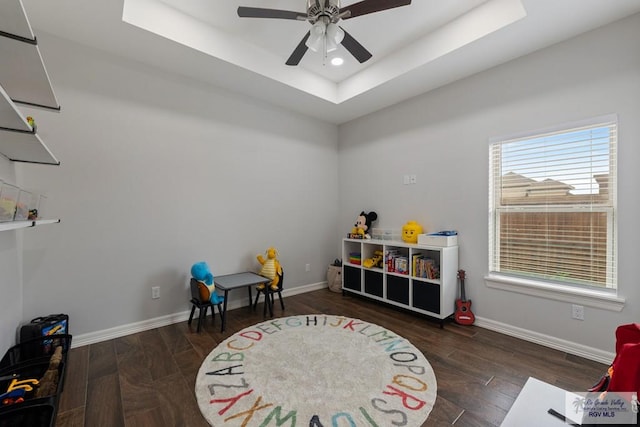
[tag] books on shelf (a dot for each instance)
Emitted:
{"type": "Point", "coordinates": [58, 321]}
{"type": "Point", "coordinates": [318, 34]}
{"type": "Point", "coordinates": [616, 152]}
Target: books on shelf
{"type": "Point", "coordinates": [402, 265]}
{"type": "Point", "coordinates": [395, 262]}
{"type": "Point", "coordinates": [419, 265]}
{"type": "Point", "coordinates": [424, 267]}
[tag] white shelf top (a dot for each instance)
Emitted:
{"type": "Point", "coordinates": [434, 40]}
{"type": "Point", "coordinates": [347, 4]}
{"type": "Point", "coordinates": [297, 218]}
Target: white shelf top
{"type": "Point", "coordinates": [26, 147]}
{"type": "Point", "coordinates": [13, 19]}
{"type": "Point", "coordinates": [18, 142]}
{"type": "Point", "coordinates": [23, 79]}
{"type": "Point", "coordinates": [16, 225]}
{"type": "Point", "coordinates": [10, 116]}
{"type": "Point", "coordinates": [46, 221]}
{"type": "Point", "coordinates": [399, 243]}
{"type": "Point", "coordinates": [22, 71]}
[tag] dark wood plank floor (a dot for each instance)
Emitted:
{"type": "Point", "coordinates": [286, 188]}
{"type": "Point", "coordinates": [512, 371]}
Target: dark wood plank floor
{"type": "Point", "coordinates": [148, 379]}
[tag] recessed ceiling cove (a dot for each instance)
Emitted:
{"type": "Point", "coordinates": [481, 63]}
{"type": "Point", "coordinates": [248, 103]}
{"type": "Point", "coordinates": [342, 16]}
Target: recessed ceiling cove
{"type": "Point", "coordinates": [399, 39]}
{"type": "Point", "coordinates": [414, 48]}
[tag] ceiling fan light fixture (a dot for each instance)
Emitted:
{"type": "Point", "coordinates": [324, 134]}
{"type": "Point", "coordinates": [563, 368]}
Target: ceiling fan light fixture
{"type": "Point", "coordinates": [335, 34]}
{"type": "Point", "coordinates": [316, 36]}
{"type": "Point", "coordinates": [331, 44]}
{"type": "Point", "coordinates": [325, 35]}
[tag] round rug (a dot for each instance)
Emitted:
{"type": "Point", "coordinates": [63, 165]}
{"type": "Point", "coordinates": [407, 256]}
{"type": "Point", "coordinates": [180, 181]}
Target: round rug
{"type": "Point", "coordinates": [318, 371]}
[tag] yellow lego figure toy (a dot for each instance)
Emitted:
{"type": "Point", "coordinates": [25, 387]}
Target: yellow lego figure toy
{"type": "Point", "coordinates": [270, 268]}
{"type": "Point", "coordinates": [410, 232]}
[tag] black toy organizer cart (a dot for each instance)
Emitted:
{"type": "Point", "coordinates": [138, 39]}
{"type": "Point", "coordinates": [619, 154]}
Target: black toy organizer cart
{"type": "Point", "coordinates": [32, 373]}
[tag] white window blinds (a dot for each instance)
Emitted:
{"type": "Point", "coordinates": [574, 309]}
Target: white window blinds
{"type": "Point", "coordinates": [553, 205]}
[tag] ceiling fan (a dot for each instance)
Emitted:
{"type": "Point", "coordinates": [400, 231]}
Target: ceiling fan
{"type": "Point", "coordinates": [325, 33]}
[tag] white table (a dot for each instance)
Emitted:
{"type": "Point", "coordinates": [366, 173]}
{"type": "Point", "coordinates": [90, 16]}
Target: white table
{"type": "Point", "coordinates": [533, 403]}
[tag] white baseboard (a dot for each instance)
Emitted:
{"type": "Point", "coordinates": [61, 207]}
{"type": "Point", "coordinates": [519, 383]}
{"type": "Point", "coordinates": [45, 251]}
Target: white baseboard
{"type": "Point", "coordinates": [547, 341]}
{"type": "Point", "coordinates": [158, 322]}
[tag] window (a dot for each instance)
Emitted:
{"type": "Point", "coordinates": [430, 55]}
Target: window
{"type": "Point", "coordinates": [552, 202]}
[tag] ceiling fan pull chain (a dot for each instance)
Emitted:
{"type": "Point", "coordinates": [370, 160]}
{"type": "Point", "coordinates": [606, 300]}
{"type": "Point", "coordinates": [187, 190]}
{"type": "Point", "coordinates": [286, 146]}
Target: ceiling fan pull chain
{"type": "Point", "coordinates": [324, 48]}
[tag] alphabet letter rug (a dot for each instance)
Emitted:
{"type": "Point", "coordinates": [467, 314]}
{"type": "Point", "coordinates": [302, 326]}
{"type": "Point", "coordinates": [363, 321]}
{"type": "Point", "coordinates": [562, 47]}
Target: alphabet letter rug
{"type": "Point", "coordinates": [318, 371]}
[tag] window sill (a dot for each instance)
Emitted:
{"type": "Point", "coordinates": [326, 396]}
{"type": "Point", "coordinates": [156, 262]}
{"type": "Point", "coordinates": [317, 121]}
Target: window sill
{"type": "Point", "coordinates": [587, 297]}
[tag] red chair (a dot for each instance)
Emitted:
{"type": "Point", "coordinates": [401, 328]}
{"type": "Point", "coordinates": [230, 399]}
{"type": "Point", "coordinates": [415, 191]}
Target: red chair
{"type": "Point", "coordinates": [624, 373]}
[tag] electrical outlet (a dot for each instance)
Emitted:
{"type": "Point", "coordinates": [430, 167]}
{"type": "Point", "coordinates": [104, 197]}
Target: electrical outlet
{"type": "Point", "coordinates": [577, 312]}
{"type": "Point", "coordinates": [155, 292]}
{"type": "Point", "coordinates": [307, 267]}
{"type": "Point", "coordinates": [413, 179]}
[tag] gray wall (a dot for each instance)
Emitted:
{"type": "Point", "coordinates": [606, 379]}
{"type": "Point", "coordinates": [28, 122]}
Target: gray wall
{"type": "Point", "coordinates": [158, 173]}
{"type": "Point", "coordinates": [11, 277]}
{"type": "Point", "coordinates": [442, 137]}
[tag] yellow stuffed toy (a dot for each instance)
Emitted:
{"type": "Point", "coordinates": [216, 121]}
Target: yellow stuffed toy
{"type": "Point", "coordinates": [270, 268]}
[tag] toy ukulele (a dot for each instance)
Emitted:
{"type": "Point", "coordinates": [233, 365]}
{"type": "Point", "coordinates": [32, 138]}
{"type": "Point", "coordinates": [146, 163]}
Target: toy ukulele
{"type": "Point", "coordinates": [463, 314]}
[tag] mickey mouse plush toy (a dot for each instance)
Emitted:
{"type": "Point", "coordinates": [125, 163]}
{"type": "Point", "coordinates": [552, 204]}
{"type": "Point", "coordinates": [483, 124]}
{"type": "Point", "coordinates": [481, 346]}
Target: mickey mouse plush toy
{"type": "Point", "coordinates": [363, 225]}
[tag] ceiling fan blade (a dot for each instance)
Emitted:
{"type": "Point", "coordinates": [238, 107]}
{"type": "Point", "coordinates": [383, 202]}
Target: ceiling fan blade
{"type": "Point", "coordinates": [299, 51]}
{"type": "Point", "coordinates": [258, 12]}
{"type": "Point", "coordinates": [356, 49]}
{"type": "Point", "coordinates": [371, 6]}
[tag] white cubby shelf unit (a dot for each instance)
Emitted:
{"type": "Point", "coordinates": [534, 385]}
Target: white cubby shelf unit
{"type": "Point", "coordinates": [414, 277]}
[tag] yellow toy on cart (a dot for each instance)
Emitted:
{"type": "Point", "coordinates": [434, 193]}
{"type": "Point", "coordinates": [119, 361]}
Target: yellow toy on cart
{"type": "Point", "coordinates": [271, 268]}
{"type": "Point", "coordinates": [375, 261]}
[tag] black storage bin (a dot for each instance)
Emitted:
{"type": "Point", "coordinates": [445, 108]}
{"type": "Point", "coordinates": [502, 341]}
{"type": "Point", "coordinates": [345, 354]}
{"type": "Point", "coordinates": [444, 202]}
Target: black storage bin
{"type": "Point", "coordinates": [27, 371]}
{"type": "Point", "coordinates": [34, 410]}
{"type": "Point", "coordinates": [426, 296]}
{"type": "Point", "coordinates": [373, 283]}
{"type": "Point", "coordinates": [38, 349]}
{"type": "Point", "coordinates": [398, 289]}
{"type": "Point", "coordinates": [352, 277]}
{"type": "Point", "coordinates": [30, 359]}
{"type": "Point", "coordinates": [34, 414]}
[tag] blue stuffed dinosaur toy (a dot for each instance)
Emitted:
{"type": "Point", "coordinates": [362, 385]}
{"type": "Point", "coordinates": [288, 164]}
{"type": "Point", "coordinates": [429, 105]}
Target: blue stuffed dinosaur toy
{"type": "Point", "coordinates": [200, 271]}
